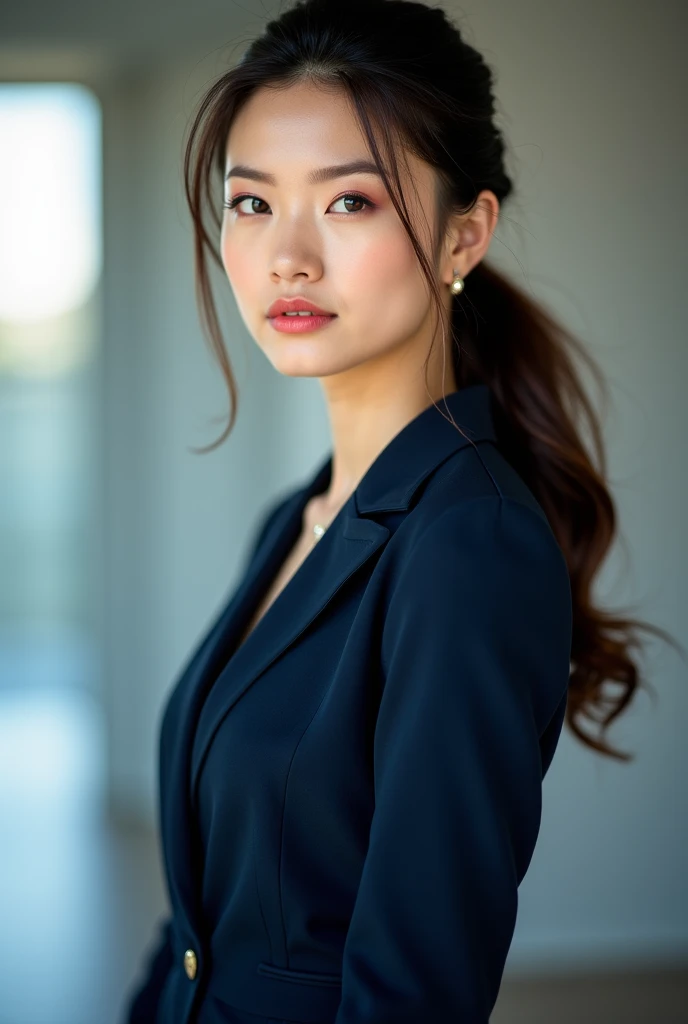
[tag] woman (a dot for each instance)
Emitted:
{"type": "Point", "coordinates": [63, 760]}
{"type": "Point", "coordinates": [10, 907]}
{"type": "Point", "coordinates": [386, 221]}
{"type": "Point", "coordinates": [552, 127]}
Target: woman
{"type": "Point", "coordinates": [351, 763]}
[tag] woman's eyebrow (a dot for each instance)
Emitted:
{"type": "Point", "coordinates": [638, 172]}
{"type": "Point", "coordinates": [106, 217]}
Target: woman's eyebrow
{"type": "Point", "coordinates": [315, 177]}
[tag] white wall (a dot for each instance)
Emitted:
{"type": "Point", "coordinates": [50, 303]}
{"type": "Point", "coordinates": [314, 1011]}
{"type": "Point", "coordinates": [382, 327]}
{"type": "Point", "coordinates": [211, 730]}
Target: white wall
{"type": "Point", "coordinates": [592, 100]}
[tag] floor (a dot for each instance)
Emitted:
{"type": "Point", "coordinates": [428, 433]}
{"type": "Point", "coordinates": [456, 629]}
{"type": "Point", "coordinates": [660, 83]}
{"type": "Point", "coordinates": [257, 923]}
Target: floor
{"type": "Point", "coordinates": [79, 897]}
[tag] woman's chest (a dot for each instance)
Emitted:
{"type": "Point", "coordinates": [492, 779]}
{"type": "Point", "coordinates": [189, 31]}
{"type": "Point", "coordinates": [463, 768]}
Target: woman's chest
{"type": "Point", "coordinates": [295, 559]}
{"type": "Point", "coordinates": [311, 687]}
{"type": "Point", "coordinates": [319, 694]}
{"type": "Point", "coordinates": [293, 752]}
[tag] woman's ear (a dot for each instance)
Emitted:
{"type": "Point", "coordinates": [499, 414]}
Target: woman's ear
{"type": "Point", "coordinates": [468, 236]}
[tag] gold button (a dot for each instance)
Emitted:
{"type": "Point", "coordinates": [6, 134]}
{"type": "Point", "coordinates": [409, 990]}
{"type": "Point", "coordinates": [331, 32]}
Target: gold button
{"type": "Point", "coordinates": [190, 964]}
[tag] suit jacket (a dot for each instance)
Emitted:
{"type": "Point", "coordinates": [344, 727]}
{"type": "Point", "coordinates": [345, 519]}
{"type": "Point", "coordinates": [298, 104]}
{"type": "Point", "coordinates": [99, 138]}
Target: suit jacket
{"type": "Point", "coordinates": [350, 800]}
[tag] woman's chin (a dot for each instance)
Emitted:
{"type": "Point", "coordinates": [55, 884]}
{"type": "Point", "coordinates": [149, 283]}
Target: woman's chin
{"type": "Point", "coordinates": [296, 357]}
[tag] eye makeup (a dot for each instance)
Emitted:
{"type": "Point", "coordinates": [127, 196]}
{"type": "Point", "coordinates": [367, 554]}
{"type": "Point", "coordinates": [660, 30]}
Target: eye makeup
{"type": "Point", "coordinates": [231, 204]}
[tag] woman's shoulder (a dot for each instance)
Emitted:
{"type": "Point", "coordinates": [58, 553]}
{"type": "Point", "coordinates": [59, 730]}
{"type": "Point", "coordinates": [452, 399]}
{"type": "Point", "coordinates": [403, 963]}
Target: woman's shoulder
{"type": "Point", "coordinates": [476, 542]}
{"type": "Point", "coordinates": [477, 572]}
{"type": "Point", "coordinates": [475, 487]}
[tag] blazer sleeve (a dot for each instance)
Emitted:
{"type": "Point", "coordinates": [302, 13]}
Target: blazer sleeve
{"type": "Point", "coordinates": [476, 658]}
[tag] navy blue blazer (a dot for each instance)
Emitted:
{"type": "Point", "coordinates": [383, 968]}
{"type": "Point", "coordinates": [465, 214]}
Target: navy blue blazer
{"type": "Point", "coordinates": [350, 799]}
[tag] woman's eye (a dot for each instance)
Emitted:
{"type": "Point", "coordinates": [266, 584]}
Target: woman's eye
{"type": "Point", "coordinates": [233, 203]}
{"type": "Point", "coordinates": [356, 199]}
{"type": "Point", "coordinates": [350, 197]}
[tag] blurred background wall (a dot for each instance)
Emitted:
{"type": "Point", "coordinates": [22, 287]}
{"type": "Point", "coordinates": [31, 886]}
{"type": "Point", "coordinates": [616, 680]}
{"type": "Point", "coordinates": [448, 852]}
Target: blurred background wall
{"type": "Point", "coordinates": [118, 544]}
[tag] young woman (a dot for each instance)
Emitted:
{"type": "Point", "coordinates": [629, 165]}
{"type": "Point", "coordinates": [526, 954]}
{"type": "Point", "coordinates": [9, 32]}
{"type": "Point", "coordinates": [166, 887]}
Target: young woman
{"type": "Point", "coordinates": [351, 762]}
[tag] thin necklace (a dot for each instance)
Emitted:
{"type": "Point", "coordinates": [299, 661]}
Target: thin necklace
{"type": "Point", "coordinates": [320, 528]}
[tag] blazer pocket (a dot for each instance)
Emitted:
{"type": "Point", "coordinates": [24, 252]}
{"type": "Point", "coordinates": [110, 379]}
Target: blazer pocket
{"type": "Point", "coordinates": [300, 977]}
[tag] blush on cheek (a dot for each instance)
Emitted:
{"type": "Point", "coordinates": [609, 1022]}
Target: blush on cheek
{"type": "Point", "coordinates": [228, 253]}
{"type": "Point", "coordinates": [386, 264]}
{"type": "Point", "coordinates": [388, 277]}
{"type": "Point", "coordinates": [237, 267]}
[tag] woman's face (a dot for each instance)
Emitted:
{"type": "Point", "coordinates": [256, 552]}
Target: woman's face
{"type": "Point", "coordinates": [291, 236]}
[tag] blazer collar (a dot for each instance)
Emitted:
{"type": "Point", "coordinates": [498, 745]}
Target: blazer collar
{"type": "Point", "coordinates": [417, 450]}
{"type": "Point", "coordinates": [352, 538]}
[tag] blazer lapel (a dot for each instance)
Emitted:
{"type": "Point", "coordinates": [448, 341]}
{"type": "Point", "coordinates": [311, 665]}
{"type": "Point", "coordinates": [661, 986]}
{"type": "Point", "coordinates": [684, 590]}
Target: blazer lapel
{"type": "Point", "coordinates": [345, 547]}
{"type": "Point", "coordinates": [389, 484]}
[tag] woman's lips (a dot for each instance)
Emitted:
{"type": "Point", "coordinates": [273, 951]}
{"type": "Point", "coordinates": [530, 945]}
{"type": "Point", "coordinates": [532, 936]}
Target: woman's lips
{"type": "Point", "coordinates": [297, 324]}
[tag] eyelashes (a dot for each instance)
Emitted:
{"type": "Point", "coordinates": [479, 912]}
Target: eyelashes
{"type": "Point", "coordinates": [232, 203]}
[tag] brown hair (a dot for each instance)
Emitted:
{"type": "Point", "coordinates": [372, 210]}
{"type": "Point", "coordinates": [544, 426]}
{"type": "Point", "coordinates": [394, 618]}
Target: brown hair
{"type": "Point", "coordinates": [423, 86]}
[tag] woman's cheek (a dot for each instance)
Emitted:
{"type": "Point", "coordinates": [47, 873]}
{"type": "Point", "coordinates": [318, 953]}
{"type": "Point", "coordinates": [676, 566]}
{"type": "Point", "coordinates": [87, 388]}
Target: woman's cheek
{"type": "Point", "coordinates": [384, 265]}
{"type": "Point", "coordinates": [230, 255]}
{"type": "Point", "coordinates": [242, 276]}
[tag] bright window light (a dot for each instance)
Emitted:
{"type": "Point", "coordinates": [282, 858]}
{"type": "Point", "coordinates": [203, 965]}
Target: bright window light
{"type": "Point", "coordinates": [50, 249]}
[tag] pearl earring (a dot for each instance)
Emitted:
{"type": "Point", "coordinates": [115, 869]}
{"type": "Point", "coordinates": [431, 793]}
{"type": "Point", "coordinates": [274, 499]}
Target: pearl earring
{"type": "Point", "coordinates": [457, 285]}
